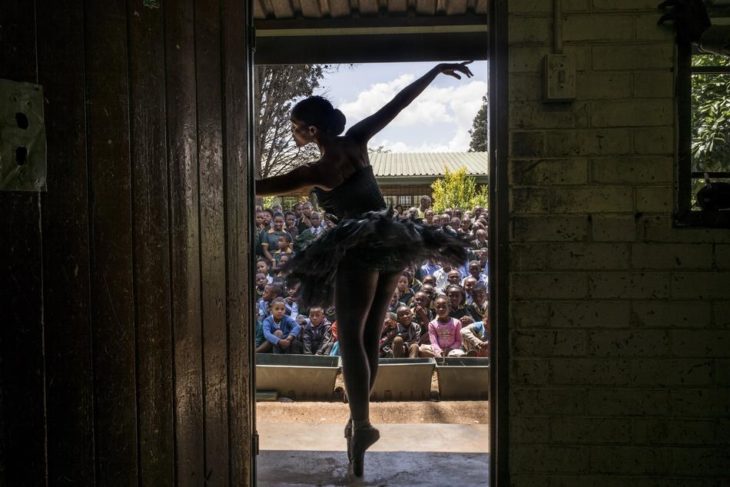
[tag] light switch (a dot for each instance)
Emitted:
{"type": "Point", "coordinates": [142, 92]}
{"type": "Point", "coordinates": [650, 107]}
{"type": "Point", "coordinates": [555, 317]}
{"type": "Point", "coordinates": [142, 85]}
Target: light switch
{"type": "Point", "coordinates": [559, 78]}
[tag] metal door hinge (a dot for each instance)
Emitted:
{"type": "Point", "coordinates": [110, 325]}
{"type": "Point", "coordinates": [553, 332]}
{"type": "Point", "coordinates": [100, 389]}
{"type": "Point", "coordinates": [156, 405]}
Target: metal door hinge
{"type": "Point", "coordinates": [22, 137]}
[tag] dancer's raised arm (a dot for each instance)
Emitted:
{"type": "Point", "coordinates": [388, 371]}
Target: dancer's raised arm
{"type": "Point", "coordinates": [368, 127]}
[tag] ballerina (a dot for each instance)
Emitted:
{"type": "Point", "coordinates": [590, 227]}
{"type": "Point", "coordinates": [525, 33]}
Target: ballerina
{"type": "Point", "coordinates": [357, 263]}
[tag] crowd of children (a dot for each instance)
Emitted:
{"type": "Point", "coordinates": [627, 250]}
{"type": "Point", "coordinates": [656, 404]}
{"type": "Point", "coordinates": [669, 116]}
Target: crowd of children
{"type": "Point", "coordinates": [435, 311]}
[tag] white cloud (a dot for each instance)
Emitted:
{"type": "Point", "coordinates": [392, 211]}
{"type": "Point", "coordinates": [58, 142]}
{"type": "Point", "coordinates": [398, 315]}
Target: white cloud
{"type": "Point", "coordinates": [406, 147]}
{"type": "Point", "coordinates": [449, 109]}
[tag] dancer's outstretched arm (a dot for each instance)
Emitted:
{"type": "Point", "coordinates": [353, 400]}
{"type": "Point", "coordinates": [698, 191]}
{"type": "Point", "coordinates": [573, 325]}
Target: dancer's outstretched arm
{"type": "Point", "coordinates": [304, 177]}
{"type": "Point", "coordinates": [365, 129]}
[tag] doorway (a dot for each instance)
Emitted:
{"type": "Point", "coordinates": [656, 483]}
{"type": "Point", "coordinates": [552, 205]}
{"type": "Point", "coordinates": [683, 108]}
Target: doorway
{"type": "Point", "coordinates": [317, 56]}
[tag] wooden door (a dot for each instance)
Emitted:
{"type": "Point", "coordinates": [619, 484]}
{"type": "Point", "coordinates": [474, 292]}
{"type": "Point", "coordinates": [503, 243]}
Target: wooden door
{"type": "Point", "coordinates": [125, 313]}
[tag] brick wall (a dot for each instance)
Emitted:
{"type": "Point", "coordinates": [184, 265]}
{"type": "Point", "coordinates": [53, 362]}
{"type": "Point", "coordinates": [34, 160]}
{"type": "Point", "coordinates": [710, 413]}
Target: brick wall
{"type": "Point", "coordinates": [620, 324]}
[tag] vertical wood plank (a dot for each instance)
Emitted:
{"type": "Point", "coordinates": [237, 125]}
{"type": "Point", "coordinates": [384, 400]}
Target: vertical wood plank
{"type": "Point", "coordinates": [185, 241]}
{"type": "Point", "coordinates": [22, 453]}
{"type": "Point", "coordinates": [115, 405]}
{"type": "Point", "coordinates": [155, 391]}
{"type": "Point", "coordinates": [310, 8]}
{"type": "Point", "coordinates": [69, 381]}
{"type": "Point", "coordinates": [21, 335]}
{"type": "Point", "coordinates": [238, 156]}
{"type": "Point", "coordinates": [212, 238]}
{"type": "Point", "coordinates": [426, 7]}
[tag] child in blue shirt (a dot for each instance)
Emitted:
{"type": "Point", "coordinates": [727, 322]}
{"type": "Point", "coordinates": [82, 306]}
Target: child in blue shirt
{"type": "Point", "coordinates": [281, 330]}
{"type": "Point", "coordinates": [271, 292]}
{"type": "Point", "coordinates": [475, 337]}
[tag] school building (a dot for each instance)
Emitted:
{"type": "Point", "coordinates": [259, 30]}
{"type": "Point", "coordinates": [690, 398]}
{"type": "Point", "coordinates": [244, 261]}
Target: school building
{"type": "Point", "coordinates": [405, 177]}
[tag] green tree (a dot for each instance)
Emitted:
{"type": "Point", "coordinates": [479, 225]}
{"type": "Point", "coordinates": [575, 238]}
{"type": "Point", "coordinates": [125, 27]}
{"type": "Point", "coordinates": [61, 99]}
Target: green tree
{"type": "Point", "coordinates": [458, 190]}
{"type": "Point", "coordinates": [479, 128]}
{"type": "Point", "coordinates": [277, 88]}
{"type": "Point", "coordinates": [710, 116]}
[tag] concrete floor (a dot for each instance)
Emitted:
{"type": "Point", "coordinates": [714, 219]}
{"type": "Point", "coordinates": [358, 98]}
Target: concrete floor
{"type": "Point", "coordinates": [306, 468]}
{"type": "Point", "coordinates": [439, 455]}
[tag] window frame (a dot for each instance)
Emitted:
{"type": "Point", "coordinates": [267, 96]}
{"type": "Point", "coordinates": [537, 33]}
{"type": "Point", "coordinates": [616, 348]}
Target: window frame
{"type": "Point", "coordinates": [684, 215]}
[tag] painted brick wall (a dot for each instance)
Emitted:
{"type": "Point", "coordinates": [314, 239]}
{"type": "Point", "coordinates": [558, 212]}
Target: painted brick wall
{"type": "Point", "coordinates": [620, 324]}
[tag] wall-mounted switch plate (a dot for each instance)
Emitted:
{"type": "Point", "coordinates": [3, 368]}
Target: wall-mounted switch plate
{"type": "Point", "coordinates": [22, 137]}
{"type": "Point", "coordinates": [558, 78]}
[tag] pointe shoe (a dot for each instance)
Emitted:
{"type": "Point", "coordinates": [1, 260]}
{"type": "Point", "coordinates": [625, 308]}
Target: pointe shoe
{"type": "Point", "coordinates": [348, 435]}
{"type": "Point", "coordinates": [362, 439]}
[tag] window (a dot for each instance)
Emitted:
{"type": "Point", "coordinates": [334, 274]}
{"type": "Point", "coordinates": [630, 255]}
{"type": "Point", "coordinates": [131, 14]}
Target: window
{"type": "Point", "coordinates": [704, 137]}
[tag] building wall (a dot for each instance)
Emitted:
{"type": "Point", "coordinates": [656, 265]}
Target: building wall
{"type": "Point", "coordinates": [619, 323]}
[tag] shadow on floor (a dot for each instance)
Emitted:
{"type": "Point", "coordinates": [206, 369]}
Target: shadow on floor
{"type": "Point", "coordinates": [427, 469]}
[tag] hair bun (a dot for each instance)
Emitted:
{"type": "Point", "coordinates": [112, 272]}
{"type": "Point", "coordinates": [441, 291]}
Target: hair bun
{"type": "Point", "coordinates": [337, 122]}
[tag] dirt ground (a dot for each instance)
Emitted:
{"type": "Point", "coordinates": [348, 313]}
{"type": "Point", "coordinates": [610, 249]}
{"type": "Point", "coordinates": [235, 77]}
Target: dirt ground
{"type": "Point", "coordinates": [415, 412]}
{"type": "Point", "coordinates": [442, 412]}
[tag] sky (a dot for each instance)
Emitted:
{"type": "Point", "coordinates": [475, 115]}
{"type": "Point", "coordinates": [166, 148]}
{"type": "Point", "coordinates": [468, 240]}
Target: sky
{"type": "Point", "coordinates": [437, 121]}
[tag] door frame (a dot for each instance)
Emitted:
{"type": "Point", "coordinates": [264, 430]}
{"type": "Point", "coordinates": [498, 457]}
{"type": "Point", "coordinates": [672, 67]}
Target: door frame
{"type": "Point", "coordinates": [498, 241]}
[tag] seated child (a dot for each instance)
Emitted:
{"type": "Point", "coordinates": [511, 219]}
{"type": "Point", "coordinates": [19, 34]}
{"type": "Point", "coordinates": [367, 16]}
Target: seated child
{"type": "Point", "coordinates": [474, 337]}
{"type": "Point", "coordinates": [406, 293]}
{"type": "Point", "coordinates": [429, 279]}
{"type": "Point", "coordinates": [263, 267]}
{"type": "Point", "coordinates": [388, 334]}
{"type": "Point", "coordinates": [315, 332]}
{"type": "Point", "coordinates": [455, 295]}
{"type": "Point", "coordinates": [282, 331]}
{"type": "Point", "coordinates": [453, 277]}
{"type": "Point", "coordinates": [422, 313]}
{"type": "Point", "coordinates": [413, 283]}
{"type": "Point", "coordinates": [332, 343]}
{"type": "Point", "coordinates": [469, 284]}
{"type": "Point", "coordinates": [292, 304]}
{"type": "Point", "coordinates": [283, 248]}
{"type": "Point", "coordinates": [279, 273]}
{"type": "Point", "coordinates": [475, 271]}
{"type": "Point", "coordinates": [395, 302]}
{"type": "Point", "coordinates": [479, 307]}
{"type": "Point", "coordinates": [444, 332]}
{"type": "Point", "coordinates": [271, 291]}
{"type": "Point", "coordinates": [331, 314]}
{"type": "Point", "coordinates": [261, 283]}
{"type": "Point", "coordinates": [407, 334]}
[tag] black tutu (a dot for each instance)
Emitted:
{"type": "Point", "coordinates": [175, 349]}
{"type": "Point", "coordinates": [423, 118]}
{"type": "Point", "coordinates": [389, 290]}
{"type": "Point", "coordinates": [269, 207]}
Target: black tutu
{"type": "Point", "coordinates": [377, 240]}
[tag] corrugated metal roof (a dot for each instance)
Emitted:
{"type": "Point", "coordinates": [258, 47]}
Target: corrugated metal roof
{"type": "Point", "coordinates": [316, 9]}
{"type": "Point", "coordinates": [386, 164]}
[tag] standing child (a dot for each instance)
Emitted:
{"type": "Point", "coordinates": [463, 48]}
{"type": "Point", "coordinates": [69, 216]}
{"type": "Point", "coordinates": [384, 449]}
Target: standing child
{"type": "Point", "coordinates": [445, 333]}
{"type": "Point", "coordinates": [282, 331]}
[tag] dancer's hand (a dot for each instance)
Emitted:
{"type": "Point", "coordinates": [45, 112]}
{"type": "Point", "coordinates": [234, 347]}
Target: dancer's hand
{"type": "Point", "coordinates": [453, 69]}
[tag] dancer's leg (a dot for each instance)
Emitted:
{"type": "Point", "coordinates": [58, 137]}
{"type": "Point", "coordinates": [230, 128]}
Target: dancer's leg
{"type": "Point", "coordinates": [374, 322]}
{"type": "Point", "coordinates": [354, 293]}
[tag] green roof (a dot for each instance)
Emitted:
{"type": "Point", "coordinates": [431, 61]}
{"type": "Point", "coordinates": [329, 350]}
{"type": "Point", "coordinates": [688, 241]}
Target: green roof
{"type": "Point", "coordinates": [428, 164]}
